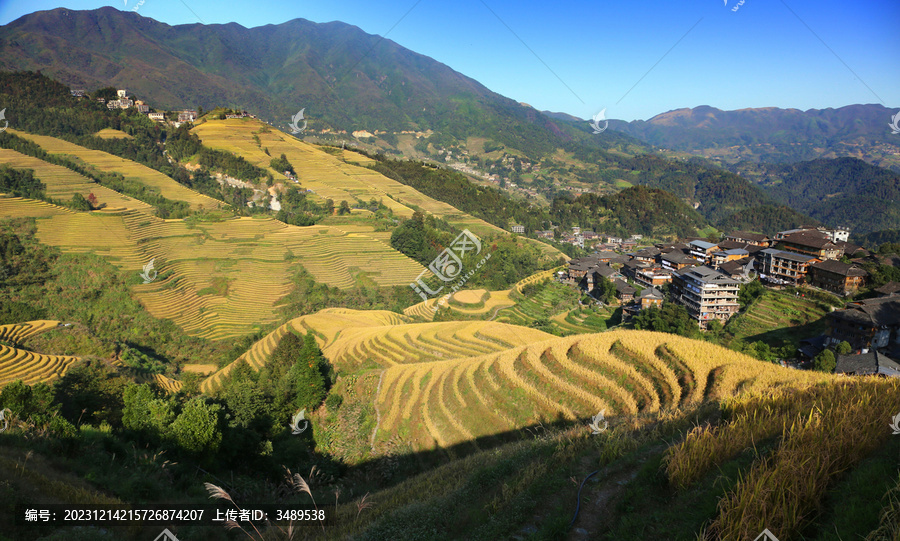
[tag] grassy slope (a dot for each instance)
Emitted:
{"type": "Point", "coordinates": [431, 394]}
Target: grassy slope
{"type": "Point", "coordinates": [779, 318]}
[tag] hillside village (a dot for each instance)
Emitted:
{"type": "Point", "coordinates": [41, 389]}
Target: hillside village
{"type": "Point", "coordinates": [177, 118]}
{"type": "Point", "coordinates": [706, 277]}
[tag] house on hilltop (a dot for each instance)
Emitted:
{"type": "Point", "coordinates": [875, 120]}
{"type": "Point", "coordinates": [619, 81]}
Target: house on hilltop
{"type": "Point", "coordinates": [187, 116]}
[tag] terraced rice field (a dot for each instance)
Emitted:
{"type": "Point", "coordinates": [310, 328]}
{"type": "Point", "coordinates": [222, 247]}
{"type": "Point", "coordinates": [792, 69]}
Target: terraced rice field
{"type": "Point", "coordinates": [18, 207]}
{"type": "Point", "coordinates": [103, 161]}
{"type": "Point", "coordinates": [16, 333]}
{"type": "Point", "coordinates": [541, 305]}
{"type": "Point", "coordinates": [220, 279]}
{"type": "Point", "coordinates": [31, 367]}
{"type": "Point", "coordinates": [109, 133]}
{"type": "Point", "coordinates": [330, 177]}
{"type": "Point", "coordinates": [327, 324]}
{"type": "Point", "coordinates": [422, 342]}
{"type": "Point", "coordinates": [623, 373]}
{"type": "Point", "coordinates": [352, 338]}
{"type": "Point", "coordinates": [581, 321]}
{"type": "Point", "coordinates": [63, 183]}
{"type": "Point", "coordinates": [466, 301]}
{"type": "Point", "coordinates": [779, 316]}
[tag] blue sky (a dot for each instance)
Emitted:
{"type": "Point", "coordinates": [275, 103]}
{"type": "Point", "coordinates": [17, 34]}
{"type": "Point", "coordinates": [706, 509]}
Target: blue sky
{"type": "Point", "coordinates": [636, 59]}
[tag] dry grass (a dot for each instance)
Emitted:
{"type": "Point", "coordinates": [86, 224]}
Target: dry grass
{"type": "Point", "coordinates": [832, 428]}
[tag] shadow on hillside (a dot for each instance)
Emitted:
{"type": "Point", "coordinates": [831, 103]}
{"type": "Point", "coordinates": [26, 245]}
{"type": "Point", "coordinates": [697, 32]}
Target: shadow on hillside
{"type": "Point", "coordinates": [386, 471]}
{"type": "Point", "coordinates": [791, 335]}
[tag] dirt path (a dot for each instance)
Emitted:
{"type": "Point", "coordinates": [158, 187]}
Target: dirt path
{"type": "Point", "coordinates": [377, 412]}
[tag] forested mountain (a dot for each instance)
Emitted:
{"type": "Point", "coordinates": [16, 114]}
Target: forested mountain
{"type": "Point", "coordinates": [843, 191]}
{"type": "Point", "coordinates": [344, 78]}
{"type": "Point", "coordinates": [349, 80]}
{"type": "Point", "coordinates": [773, 135]}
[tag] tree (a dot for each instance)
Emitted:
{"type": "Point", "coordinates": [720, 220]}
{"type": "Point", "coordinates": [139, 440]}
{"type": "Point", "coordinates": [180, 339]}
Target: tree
{"type": "Point", "coordinates": [80, 203]}
{"type": "Point", "coordinates": [844, 348]}
{"type": "Point", "coordinates": [146, 413]}
{"type": "Point", "coordinates": [309, 374]}
{"type": "Point", "coordinates": [91, 392]}
{"type": "Point", "coordinates": [825, 361]}
{"type": "Point", "coordinates": [749, 292]}
{"type": "Point", "coordinates": [605, 290]}
{"type": "Point", "coordinates": [344, 208]}
{"type": "Point", "coordinates": [28, 402]}
{"type": "Point", "coordinates": [197, 427]}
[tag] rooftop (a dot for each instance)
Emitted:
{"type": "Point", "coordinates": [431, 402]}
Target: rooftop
{"type": "Point", "coordinates": [890, 288]}
{"type": "Point", "coordinates": [790, 256]}
{"type": "Point", "coordinates": [702, 244]}
{"type": "Point", "coordinates": [837, 267]}
{"type": "Point", "coordinates": [882, 311]}
{"type": "Point", "coordinates": [707, 275]}
{"type": "Point", "coordinates": [867, 363]}
{"type": "Point", "coordinates": [810, 239]}
{"type": "Point", "coordinates": [755, 237]}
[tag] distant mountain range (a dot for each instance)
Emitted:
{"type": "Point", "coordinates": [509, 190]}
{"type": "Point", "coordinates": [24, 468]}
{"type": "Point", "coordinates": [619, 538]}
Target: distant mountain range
{"type": "Point", "coordinates": [345, 79]}
{"type": "Point", "coordinates": [773, 135]}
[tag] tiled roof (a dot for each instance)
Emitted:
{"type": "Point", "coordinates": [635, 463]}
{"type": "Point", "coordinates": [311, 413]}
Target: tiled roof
{"type": "Point", "coordinates": [810, 239]}
{"type": "Point", "coordinates": [755, 237]}
{"type": "Point", "coordinates": [889, 288]}
{"type": "Point", "coordinates": [702, 244]}
{"type": "Point", "coordinates": [624, 288]}
{"type": "Point", "coordinates": [882, 311]}
{"type": "Point", "coordinates": [867, 363]}
{"type": "Point", "coordinates": [837, 267]}
{"type": "Point", "coordinates": [790, 256]}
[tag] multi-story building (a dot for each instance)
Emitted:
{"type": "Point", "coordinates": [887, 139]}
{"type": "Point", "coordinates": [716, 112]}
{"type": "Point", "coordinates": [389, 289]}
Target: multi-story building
{"type": "Point", "coordinates": [652, 276]}
{"type": "Point", "coordinates": [676, 260]}
{"type": "Point", "coordinates": [788, 266]}
{"type": "Point", "coordinates": [706, 293]}
{"type": "Point", "coordinates": [702, 249]}
{"type": "Point", "coordinates": [187, 116]}
{"type": "Point", "coordinates": [724, 256]}
{"type": "Point", "coordinates": [516, 228]}
{"type": "Point", "coordinates": [837, 277]}
{"type": "Point", "coordinates": [650, 297]}
{"type": "Point", "coordinates": [814, 243]}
